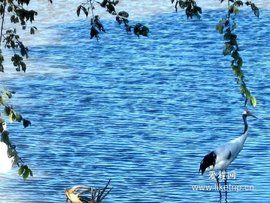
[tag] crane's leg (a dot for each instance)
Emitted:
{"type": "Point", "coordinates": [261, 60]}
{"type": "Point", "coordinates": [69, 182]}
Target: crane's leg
{"type": "Point", "coordinates": [226, 188]}
{"type": "Point", "coordinates": [218, 185]}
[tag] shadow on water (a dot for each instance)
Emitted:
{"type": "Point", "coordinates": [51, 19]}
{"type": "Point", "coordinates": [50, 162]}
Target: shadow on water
{"type": "Point", "coordinates": [141, 112]}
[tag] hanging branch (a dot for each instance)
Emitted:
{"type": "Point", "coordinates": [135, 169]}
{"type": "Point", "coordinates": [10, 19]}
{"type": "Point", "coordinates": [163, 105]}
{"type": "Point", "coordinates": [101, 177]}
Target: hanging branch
{"type": "Point", "coordinates": [13, 116]}
{"type": "Point", "coordinates": [254, 8]}
{"type": "Point", "coordinates": [227, 26]}
{"type": "Point", "coordinates": [190, 7]}
{"type": "Point", "coordinates": [9, 39]}
{"type": "Point", "coordinates": [18, 14]}
{"type": "Point", "coordinates": [3, 10]}
{"type": "Point", "coordinates": [121, 18]}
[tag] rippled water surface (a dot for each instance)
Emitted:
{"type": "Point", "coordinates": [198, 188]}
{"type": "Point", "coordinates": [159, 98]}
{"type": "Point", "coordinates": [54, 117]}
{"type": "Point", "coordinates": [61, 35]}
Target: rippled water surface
{"type": "Point", "coordinates": [142, 112]}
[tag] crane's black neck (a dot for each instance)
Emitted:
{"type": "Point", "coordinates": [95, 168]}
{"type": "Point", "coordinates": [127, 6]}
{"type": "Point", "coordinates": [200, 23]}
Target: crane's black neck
{"type": "Point", "coordinates": [245, 123]}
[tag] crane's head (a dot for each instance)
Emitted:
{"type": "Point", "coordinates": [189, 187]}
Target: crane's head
{"type": "Point", "coordinates": [247, 113]}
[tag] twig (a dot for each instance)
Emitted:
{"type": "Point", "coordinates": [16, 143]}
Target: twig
{"type": "Point", "coordinates": [2, 23]}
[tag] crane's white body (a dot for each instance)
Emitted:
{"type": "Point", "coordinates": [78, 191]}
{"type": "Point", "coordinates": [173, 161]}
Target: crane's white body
{"type": "Point", "coordinates": [5, 161]}
{"type": "Point", "coordinates": [222, 157]}
{"type": "Point", "coordinates": [228, 152]}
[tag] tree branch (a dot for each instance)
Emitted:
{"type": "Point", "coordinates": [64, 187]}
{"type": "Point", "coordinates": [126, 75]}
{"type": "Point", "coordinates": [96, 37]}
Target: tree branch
{"type": "Point", "coordinates": [2, 23]}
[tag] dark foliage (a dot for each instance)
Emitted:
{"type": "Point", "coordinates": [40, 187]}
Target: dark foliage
{"type": "Point", "coordinates": [190, 7]}
{"type": "Point", "coordinates": [18, 14]}
{"type": "Point", "coordinates": [140, 29]}
{"type": "Point", "coordinates": [13, 116]}
{"type": "Point", "coordinates": [121, 17]}
{"type": "Point", "coordinates": [254, 8]}
{"type": "Point", "coordinates": [227, 26]}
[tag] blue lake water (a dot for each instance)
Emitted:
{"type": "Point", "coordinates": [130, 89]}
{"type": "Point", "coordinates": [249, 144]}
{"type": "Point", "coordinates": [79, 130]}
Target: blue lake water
{"type": "Point", "coordinates": [141, 111]}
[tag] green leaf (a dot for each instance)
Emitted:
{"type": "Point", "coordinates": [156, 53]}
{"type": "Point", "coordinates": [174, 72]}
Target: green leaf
{"type": "Point", "coordinates": [7, 110]}
{"type": "Point", "coordinates": [227, 49]}
{"type": "Point", "coordinates": [26, 123]}
{"type": "Point", "coordinates": [255, 10]}
{"type": "Point", "coordinates": [235, 10]}
{"type": "Point", "coordinates": [233, 41]}
{"type": "Point", "coordinates": [12, 116]}
{"type": "Point", "coordinates": [140, 29]}
{"type": "Point", "coordinates": [253, 101]}
{"type": "Point", "coordinates": [94, 33]}
{"type": "Point", "coordinates": [21, 170]}
{"type": "Point", "coordinates": [24, 50]}
{"type": "Point", "coordinates": [23, 65]}
{"type": "Point", "coordinates": [248, 3]}
{"type": "Point", "coordinates": [238, 3]}
{"type": "Point", "coordinates": [144, 31]}
{"type": "Point", "coordinates": [227, 36]}
{"type": "Point", "coordinates": [123, 14]}
{"type": "Point", "coordinates": [103, 3]}
{"type": "Point", "coordinates": [18, 117]}
{"type": "Point", "coordinates": [9, 94]}
{"type": "Point", "coordinates": [5, 138]}
{"type": "Point", "coordinates": [111, 8]}
{"type": "Point", "coordinates": [33, 30]}
{"type": "Point", "coordinates": [243, 89]}
{"type": "Point", "coordinates": [198, 9]}
{"type": "Point", "coordinates": [26, 174]}
{"type": "Point", "coordinates": [84, 10]}
{"type": "Point", "coordinates": [247, 93]}
{"type": "Point", "coordinates": [183, 4]}
{"type": "Point", "coordinates": [78, 10]}
{"type": "Point", "coordinates": [235, 55]}
{"type": "Point", "coordinates": [237, 71]}
{"type": "Point", "coordinates": [220, 26]}
{"type": "Point", "coordinates": [25, 171]}
{"type": "Point", "coordinates": [9, 9]}
{"type": "Point", "coordinates": [240, 62]}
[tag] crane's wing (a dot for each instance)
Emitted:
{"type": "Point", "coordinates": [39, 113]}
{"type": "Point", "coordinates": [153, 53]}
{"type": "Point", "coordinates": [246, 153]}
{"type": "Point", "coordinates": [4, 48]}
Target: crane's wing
{"type": "Point", "coordinates": [208, 160]}
{"type": "Point", "coordinates": [215, 157]}
{"type": "Point", "coordinates": [221, 157]}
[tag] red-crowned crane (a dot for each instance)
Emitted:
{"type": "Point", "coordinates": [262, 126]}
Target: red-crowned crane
{"type": "Point", "coordinates": [220, 158]}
